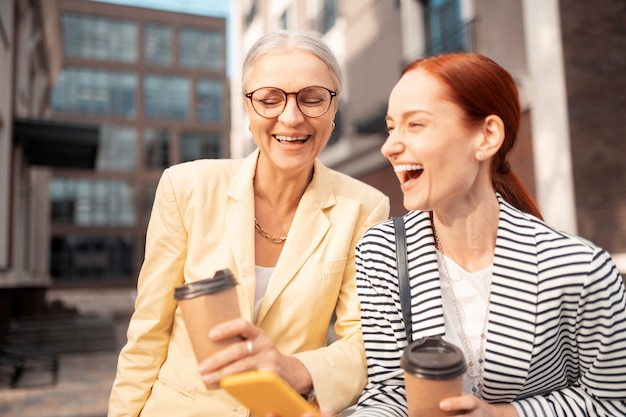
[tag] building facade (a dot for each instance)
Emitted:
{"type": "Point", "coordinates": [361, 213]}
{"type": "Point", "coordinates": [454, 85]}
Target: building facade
{"type": "Point", "coordinates": [536, 40]}
{"type": "Point", "coordinates": [30, 61]}
{"type": "Point", "coordinates": [155, 83]}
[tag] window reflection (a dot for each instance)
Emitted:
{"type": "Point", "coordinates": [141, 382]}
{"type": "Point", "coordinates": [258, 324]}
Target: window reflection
{"type": "Point", "coordinates": [166, 97]}
{"type": "Point", "coordinates": [149, 191]}
{"type": "Point", "coordinates": [157, 44]}
{"type": "Point", "coordinates": [91, 258]}
{"type": "Point", "coordinates": [156, 149]}
{"type": "Point", "coordinates": [200, 146]}
{"type": "Point", "coordinates": [85, 202]}
{"type": "Point", "coordinates": [116, 150]}
{"type": "Point", "coordinates": [95, 92]}
{"type": "Point", "coordinates": [445, 28]}
{"type": "Point", "coordinates": [201, 49]}
{"type": "Point", "coordinates": [209, 101]}
{"type": "Point", "coordinates": [99, 38]}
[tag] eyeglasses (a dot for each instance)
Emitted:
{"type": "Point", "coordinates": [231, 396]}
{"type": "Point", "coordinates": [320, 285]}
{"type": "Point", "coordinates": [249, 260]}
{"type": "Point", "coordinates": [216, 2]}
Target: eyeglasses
{"type": "Point", "coordinates": [270, 102]}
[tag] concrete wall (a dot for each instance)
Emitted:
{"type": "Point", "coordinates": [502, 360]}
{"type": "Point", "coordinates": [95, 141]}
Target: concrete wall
{"type": "Point", "coordinates": [594, 50]}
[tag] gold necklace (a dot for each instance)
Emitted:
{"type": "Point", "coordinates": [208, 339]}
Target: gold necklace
{"type": "Point", "coordinates": [266, 235]}
{"type": "Point", "coordinates": [475, 371]}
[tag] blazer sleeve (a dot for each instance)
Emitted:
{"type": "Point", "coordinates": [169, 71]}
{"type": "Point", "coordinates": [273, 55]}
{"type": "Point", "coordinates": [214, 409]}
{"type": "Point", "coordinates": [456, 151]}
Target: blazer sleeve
{"type": "Point", "coordinates": [600, 389]}
{"type": "Point", "coordinates": [151, 323]}
{"type": "Point", "coordinates": [339, 371]}
{"type": "Point", "coordinates": [383, 331]}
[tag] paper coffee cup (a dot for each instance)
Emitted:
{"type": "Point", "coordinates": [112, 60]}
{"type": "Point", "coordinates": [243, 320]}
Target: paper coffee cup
{"type": "Point", "coordinates": [433, 371]}
{"type": "Point", "coordinates": [205, 304]}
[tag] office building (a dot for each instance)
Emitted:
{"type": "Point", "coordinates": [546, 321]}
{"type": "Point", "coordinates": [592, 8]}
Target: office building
{"type": "Point", "coordinates": [155, 83]}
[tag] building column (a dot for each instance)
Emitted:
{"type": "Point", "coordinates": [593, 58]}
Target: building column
{"type": "Point", "coordinates": [549, 118]}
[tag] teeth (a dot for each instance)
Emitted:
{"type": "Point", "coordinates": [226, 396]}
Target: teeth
{"type": "Point", "coordinates": [290, 138]}
{"type": "Point", "coordinates": [407, 167]}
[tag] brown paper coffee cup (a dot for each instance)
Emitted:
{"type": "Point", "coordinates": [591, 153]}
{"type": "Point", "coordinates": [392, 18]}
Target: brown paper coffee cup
{"type": "Point", "coordinates": [205, 304]}
{"type": "Point", "coordinates": [433, 371]}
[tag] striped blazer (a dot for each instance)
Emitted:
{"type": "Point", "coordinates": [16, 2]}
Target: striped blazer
{"type": "Point", "coordinates": [556, 337]}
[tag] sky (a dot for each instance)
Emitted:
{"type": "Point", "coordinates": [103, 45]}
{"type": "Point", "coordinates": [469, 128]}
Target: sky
{"type": "Point", "coordinates": [218, 8]}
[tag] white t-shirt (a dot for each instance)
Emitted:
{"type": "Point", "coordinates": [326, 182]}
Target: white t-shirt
{"type": "Point", "coordinates": [472, 293]}
{"type": "Point", "coordinates": [263, 275]}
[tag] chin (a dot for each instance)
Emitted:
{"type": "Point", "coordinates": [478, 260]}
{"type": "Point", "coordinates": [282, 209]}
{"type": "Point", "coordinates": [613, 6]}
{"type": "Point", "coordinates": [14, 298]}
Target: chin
{"type": "Point", "coordinates": [411, 204]}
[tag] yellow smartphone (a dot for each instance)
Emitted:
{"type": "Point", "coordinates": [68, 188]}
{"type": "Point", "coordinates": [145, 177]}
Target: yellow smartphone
{"type": "Point", "coordinates": [264, 392]}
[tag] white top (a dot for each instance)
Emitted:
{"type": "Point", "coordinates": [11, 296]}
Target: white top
{"type": "Point", "coordinates": [472, 292]}
{"type": "Point", "coordinates": [263, 275]}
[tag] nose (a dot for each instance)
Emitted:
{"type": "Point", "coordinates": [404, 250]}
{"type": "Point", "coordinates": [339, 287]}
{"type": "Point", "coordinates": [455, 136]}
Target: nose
{"type": "Point", "coordinates": [393, 146]}
{"type": "Point", "coordinates": [291, 115]}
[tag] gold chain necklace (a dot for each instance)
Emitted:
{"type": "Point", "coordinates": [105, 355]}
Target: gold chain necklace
{"type": "Point", "coordinates": [475, 371]}
{"type": "Point", "coordinates": [266, 235]}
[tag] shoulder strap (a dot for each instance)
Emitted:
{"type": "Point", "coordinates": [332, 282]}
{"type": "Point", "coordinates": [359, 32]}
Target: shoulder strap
{"type": "Point", "coordinates": [403, 276]}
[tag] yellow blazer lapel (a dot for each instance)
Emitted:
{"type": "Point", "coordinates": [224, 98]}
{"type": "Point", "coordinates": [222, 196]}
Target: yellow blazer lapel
{"type": "Point", "coordinates": [309, 226]}
{"type": "Point", "coordinates": [240, 229]}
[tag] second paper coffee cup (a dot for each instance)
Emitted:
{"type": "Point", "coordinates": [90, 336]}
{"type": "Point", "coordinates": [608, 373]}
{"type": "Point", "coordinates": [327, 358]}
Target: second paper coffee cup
{"type": "Point", "coordinates": [433, 371]}
{"type": "Point", "coordinates": [205, 304]}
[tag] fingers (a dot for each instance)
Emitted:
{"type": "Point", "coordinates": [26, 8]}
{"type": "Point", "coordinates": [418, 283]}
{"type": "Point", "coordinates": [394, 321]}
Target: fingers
{"type": "Point", "coordinates": [253, 351]}
{"type": "Point", "coordinates": [237, 357]}
{"type": "Point", "coordinates": [465, 402]}
{"type": "Point", "coordinates": [232, 328]}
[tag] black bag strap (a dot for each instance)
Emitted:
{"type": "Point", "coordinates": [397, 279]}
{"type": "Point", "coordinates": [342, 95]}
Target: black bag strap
{"type": "Point", "coordinates": [403, 276]}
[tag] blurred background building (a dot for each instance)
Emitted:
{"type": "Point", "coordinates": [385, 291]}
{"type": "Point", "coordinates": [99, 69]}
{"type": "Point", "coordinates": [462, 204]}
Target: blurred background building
{"type": "Point", "coordinates": [155, 83]}
{"type": "Point", "coordinates": [98, 98]}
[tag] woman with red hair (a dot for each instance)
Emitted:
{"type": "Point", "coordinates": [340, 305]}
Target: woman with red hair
{"type": "Point", "coordinates": [539, 314]}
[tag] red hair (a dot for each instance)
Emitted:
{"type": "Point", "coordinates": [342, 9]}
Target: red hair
{"type": "Point", "coordinates": [481, 87]}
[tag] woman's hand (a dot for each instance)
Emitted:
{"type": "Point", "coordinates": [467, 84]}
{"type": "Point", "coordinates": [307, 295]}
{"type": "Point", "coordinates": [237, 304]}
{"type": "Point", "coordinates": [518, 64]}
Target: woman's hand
{"type": "Point", "coordinates": [469, 405]}
{"type": "Point", "coordinates": [256, 351]}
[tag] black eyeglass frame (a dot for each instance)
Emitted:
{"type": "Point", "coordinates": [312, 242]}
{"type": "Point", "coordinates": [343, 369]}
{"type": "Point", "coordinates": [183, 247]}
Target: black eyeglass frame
{"type": "Point", "coordinates": [287, 94]}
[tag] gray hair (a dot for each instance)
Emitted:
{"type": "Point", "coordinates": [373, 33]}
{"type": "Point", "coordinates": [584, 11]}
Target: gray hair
{"type": "Point", "coordinates": [284, 40]}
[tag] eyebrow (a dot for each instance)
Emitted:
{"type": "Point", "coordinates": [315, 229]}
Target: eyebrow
{"type": "Point", "coordinates": [409, 114]}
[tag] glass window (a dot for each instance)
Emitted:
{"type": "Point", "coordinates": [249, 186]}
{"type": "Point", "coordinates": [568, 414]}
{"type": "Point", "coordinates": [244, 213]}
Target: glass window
{"type": "Point", "coordinates": [86, 202]}
{"type": "Point", "coordinates": [92, 258]}
{"type": "Point", "coordinates": [156, 145]}
{"type": "Point", "coordinates": [195, 145]}
{"type": "Point", "coordinates": [209, 101]}
{"type": "Point", "coordinates": [446, 31]}
{"type": "Point", "coordinates": [284, 20]}
{"type": "Point", "coordinates": [157, 44]}
{"type": "Point", "coordinates": [327, 16]}
{"type": "Point", "coordinates": [148, 200]}
{"type": "Point", "coordinates": [99, 38]}
{"type": "Point", "coordinates": [166, 97]}
{"type": "Point", "coordinates": [95, 92]}
{"type": "Point", "coordinates": [116, 150]}
{"type": "Point", "coordinates": [6, 24]}
{"type": "Point", "coordinates": [251, 12]}
{"type": "Point", "coordinates": [201, 49]}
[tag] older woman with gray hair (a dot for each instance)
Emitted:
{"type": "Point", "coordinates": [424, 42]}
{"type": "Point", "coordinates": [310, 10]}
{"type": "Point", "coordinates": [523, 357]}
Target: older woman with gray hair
{"type": "Point", "coordinates": [284, 224]}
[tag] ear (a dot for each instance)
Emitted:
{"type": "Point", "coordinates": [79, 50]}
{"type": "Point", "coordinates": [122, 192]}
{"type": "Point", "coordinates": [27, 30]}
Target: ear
{"type": "Point", "coordinates": [490, 138]}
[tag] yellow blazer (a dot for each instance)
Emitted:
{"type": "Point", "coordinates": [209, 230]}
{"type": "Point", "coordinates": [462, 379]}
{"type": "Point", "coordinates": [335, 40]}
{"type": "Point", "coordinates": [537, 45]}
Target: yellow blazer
{"type": "Point", "coordinates": [202, 221]}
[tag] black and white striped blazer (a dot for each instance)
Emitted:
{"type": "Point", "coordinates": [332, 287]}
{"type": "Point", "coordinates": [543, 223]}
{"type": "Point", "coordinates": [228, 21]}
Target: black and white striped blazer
{"type": "Point", "coordinates": [556, 342]}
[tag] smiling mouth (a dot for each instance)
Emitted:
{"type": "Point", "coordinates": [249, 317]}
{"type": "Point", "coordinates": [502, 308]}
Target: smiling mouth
{"type": "Point", "coordinates": [291, 139]}
{"type": "Point", "coordinates": [408, 172]}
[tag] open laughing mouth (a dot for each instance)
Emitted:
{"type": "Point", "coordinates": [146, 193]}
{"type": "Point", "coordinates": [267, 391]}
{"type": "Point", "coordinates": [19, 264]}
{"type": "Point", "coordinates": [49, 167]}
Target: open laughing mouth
{"type": "Point", "coordinates": [408, 172]}
{"type": "Point", "coordinates": [291, 139]}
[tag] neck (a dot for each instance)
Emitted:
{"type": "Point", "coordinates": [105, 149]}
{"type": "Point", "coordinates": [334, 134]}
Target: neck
{"type": "Point", "coordinates": [278, 191]}
{"type": "Point", "coordinates": [469, 240]}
